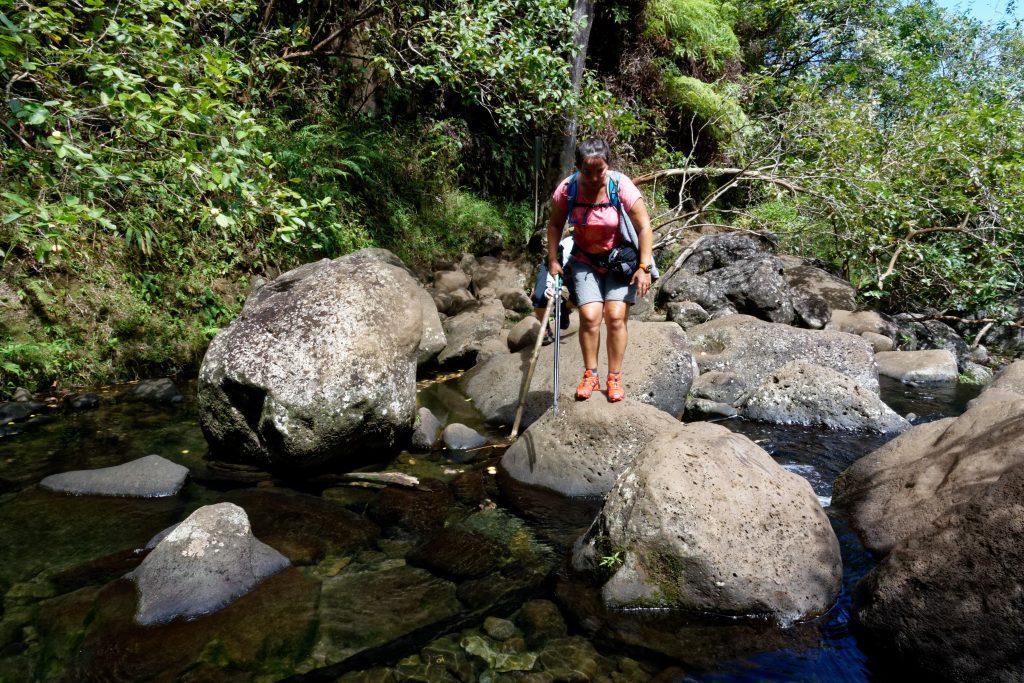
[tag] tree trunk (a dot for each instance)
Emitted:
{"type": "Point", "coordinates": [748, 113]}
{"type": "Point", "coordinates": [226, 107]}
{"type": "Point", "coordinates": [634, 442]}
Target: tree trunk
{"type": "Point", "coordinates": [584, 10]}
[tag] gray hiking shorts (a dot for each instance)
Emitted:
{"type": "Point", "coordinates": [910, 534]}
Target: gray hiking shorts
{"type": "Point", "coordinates": [592, 286]}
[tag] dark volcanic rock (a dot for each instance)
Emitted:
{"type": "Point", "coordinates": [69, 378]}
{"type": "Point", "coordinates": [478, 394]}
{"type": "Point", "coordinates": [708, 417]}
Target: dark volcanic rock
{"type": "Point", "coordinates": [148, 477]}
{"type": "Point", "coordinates": [458, 554]}
{"type": "Point", "coordinates": [160, 390]}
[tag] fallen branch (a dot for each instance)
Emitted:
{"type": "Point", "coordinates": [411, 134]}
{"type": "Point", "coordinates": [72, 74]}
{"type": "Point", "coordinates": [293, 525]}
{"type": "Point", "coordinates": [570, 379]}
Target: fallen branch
{"type": "Point", "coordinates": [738, 173]}
{"type": "Point", "coordinates": [395, 478]}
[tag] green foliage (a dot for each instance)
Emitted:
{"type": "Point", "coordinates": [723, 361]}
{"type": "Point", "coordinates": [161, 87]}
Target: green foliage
{"type": "Point", "coordinates": [696, 30]}
{"type": "Point", "coordinates": [720, 112]}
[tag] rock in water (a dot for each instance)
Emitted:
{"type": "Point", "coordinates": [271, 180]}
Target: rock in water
{"type": "Point", "coordinates": [148, 477]}
{"type": "Point", "coordinates": [320, 367]}
{"type": "Point", "coordinates": [428, 428]}
{"type": "Point", "coordinates": [160, 390]}
{"type": "Point", "coordinates": [898, 490]}
{"type": "Point", "coordinates": [704, 520]}
{"type": "Point", "coordinates": [752, 349]}
{"type": "Point", "coordinates": [807, 394]}
{"type": "Point", "coordinates": [460, 437]}
{"type": "Point", "coordinates": [582, 450]}
{"type": "Point", "coordinates": [937, 365]}
{"type": "Point", "coordinates": [206, 562]}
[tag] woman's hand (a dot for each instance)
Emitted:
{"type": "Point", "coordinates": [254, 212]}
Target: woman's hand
{"type": "Point", "coordinates": [642, 280]}
{"type": "Point", "coordinates": [555, 268]}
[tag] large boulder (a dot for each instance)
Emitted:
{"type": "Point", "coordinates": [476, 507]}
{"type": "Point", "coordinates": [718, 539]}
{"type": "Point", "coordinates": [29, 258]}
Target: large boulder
{"type": "Point", "coordinates": [758, 287]}
{"type": "Point", "coordinates": [206, 562]}
{"type": "Point", "coordinates": [835, 291]}
{"type": "Point", "coordinates": [320, 366]}
{"type": "Point", "coordinates": [706, 292]}
{"type": "Point", "coordinates": [1007, 385]}
{"type": "Point", "coordinates": [582, 450]}
{"type": "Point", "coordinates": [806, 394]}
{"type": "Point", "coordinates": [899, 489]}
{"type": "Point", "coordinates": [148, 477]}
{"type": "Point", "coordinates": [712, 252]}
{"type": "Point", "coordinates": [657, 370]}
{"type": "Point", "coordinates": [752, 349]}
{"type": "Point", "coordinates": [474, 330]}
{"type": "Point", "coordinates": [938, 365]}
{"type": "Point", "coordinates": [859, 322]}
{"type": "Point", "coordinates": [935, 334]}
{"type": "Point", "coordinates": [704, 520]}
{"type": "Point", "coordinates": [946, 603]}
{"type": "Point", "coordinates": [492, 277]}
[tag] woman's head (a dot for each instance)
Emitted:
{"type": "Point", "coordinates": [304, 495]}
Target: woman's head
{"type": "Point", "coordinates": [592, 158]}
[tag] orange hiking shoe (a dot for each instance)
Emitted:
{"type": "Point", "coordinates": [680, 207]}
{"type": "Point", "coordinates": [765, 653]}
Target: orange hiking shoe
{"type": "Point", "coordinates": [588, 385]}
{"type": "Point", "coordinates": [615, 390]}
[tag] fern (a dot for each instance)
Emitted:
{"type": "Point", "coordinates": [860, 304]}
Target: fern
{"type": "Point", "coordinates": [698, 30]}
{"type": "Point", "coordinates": [720, 110]}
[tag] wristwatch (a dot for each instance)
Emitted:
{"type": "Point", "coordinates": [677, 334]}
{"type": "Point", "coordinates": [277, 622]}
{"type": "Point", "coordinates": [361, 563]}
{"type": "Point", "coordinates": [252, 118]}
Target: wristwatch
{"type": "Point", "coordinates": [646, 267]}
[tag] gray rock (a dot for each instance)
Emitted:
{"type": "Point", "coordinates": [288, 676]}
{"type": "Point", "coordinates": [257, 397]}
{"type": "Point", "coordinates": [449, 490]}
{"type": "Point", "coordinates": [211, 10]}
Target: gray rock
{"type": "Point", "coordinates": [582, 450]}
{"type": "Point", "coordinates": [945, 602]}
{"type": "Point", "coordinates": [498, 275]}
{"type": "Point", "coordinates": [932, 366]}
{"type": "Point", "coordinates": [703, 406]}
{"type": "Point", "coordinates": [686, 314]}
{"type": "Point", "coordinates": [1008, 385]}
{"type": "Point", "coordinates": [156, 391]}
{"type": "Point", "coordinates": [82, 401]}
{"type": "Point", "coordinates": [812, 311]}
{"type": "Point", "coordinates": [21, 394]}
{"type": "Point", "coordinates": [320, 366]}
{"type": "Point", "coordinates": [979, 354]}
{"type": "Point", "coordinates": [879, 342]}
{"type": "Point", "coordinates": [208, 561]}
{"type": "Point", "coordinates": [898, 490]}
{"type": "Point", "coordinates": [835, 291]}
{"type": "Point", "coordinates": [460, 437]}
{"type": "Point", "coordinates": [806, 394]}
{"type": "Point", "coordinates": [524, 334]}
{"type": "Point", "coordinates": [935, 334]}
{"type": "Point", "coordinates": [499, 629]}
{"type": "Point", "coordinates": [684, 285]}
{"type": "Point", "coordinates": [469, 331]}
{"type": "Point", "coordinates": [448, 281]}
{"type": "Point", "coordinates": [977, 374]}
{"type": "Point", "coordinates": [16, 411]}
{"type": "Point", "coordinates": [758, 287]}
{"type": "Point", "coordinates": [657, 370]}
{"type": "Point", "coordinates": [752, 349]}
{"type": "Point", "coordinates": [720, 387]}
{"type": "Point", "coordinates": [859, 322]}
{"type": "Point", "coordinates": [461, 300]}
{"type": "Point", "coordinates": [428, 429]}
{"type": "Point", "coordinates": [719, 251]}
{"type": "Point", "coordinates": [515, 300]}
{"type": "Point", "coordinates": [148, 477]}
{"type": "Point", "coordinates": [704, 520]}
{"type": "Point", "coordinates": [644, 311]}
{"type": "Point", "coordinates": [442, 300]}
{"type": "Point", "coordinates": [433, 340]}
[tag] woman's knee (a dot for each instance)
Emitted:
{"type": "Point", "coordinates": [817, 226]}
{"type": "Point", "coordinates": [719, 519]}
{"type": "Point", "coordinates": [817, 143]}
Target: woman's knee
{"type": "Point", "coordinates": [591, 314]}
{"type": "Point", "coordinates": [615, 315]}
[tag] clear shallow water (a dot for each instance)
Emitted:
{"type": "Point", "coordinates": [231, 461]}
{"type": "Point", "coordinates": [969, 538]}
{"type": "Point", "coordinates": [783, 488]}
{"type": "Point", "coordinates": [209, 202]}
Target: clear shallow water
{"type": "Point", "coordinates": [57, 553]}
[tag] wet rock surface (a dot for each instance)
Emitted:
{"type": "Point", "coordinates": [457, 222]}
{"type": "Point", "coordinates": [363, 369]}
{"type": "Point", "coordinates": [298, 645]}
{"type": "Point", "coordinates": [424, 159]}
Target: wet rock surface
{"type": "Point", "coordinates": [427, 431]}
{"type": "Point", "coordinates": [161, 390]}
{"type": "Point", "coordinates": [672, 527]}
{"type": "Point", "coordinates": [751, 349]}
{"type": "Point", "coordinates": [657, 370]}
{"type": "Point", "coordinates": [16, 411]}
{"type": "Point", "coordinates": [460, 437]}
{"type": "Point", "coordinates": [320, 366]}
{"type": "Point", "coordinates": [149, 477]}
{"type": "Point", "coordinates": [582, 450]}
{"type": "Point", "coordinates": [806, 394]}
{"type": "Point", "coordinates": [209, 560]}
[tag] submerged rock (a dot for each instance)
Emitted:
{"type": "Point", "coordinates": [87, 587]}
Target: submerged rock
{"type": "Point", "coordinates": [160, 390]}
{"type": "Point", "coordinates": [582, 450]}
{"type": "Point", "coordinates": [704, 520]}
{"type": "Point", "coordinates": [16, 411]}
{"type": "Point", "coordinates": [752, 349]}
{"type": "Point", "coordinates": [82, 401]}
{"type": "Point", "coordinates": [460, 437]}
{"type": "Point", "coordinates": [320, 367]}
{"type": "Point", "coordinates": [807, 394]}
{"type": "Point", "coordinates": [148, 477]}
{"type": "Point", "coordinates": [209, 560]}
{"type": "Point", "coordinates": [657, 370]}
{"type": "Point", "coordinates": [898, 490]}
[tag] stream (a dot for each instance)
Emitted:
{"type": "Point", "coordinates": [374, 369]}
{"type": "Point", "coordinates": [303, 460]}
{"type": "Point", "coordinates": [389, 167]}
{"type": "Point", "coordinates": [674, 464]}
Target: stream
{"type": "Point", "coordinates": [386, 584]}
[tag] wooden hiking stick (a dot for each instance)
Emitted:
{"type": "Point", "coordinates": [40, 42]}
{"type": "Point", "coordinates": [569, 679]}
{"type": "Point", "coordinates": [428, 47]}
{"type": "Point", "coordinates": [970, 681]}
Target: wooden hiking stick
{"type": "Point", "coordinates": [525, 389]}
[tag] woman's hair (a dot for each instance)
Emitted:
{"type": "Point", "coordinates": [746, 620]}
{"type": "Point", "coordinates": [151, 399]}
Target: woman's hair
{"type": "Point", "coordinates": [593, 147]}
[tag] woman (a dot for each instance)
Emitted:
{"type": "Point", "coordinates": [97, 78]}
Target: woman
{"type": "Point", "coordinates": [602, 296]}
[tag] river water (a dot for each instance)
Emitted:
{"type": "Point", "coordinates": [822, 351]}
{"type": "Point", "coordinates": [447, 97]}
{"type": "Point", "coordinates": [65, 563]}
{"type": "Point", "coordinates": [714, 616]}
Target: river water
{"type": "Point", "coordinates": [66, 614]}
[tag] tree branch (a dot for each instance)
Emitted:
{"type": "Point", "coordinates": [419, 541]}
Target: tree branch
{"type": "Point", "coordinates": [905, 241]}
{"type": "Point", "coordinates": [738, 173]}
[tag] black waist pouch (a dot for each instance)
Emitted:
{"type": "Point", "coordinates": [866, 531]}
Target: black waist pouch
{"type": "Point", "coordinates": [622, 261]}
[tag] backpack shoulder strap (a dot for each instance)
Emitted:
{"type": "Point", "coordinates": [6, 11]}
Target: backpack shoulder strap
{"type": "Point", "coordinates": [613, 189]}
{"type": "Point", "coordinates": [572, 190]}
